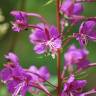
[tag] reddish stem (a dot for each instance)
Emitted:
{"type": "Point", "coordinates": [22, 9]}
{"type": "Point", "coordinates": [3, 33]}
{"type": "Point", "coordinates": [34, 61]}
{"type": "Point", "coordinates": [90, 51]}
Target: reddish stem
{"type": "Point", "coordinates": [38, 87]}
{"type": "Point", "coordinates": [41, 78]}
{"type": "Point", "coordinates": [67, 41]}
{"type": "Point", "coordinates": [34, 26]}
{"type": "Point", "coordinates": [59, 72]}
{"type": "Point", "coordinates": [38, 16]}
{"type": "Point", "coordinates": [68, 30]}
{"type": "Point", "coordinates": [58, 52]}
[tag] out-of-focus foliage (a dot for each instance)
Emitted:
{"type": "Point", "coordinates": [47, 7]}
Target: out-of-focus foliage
{"type": "Point", "coordinates": [20, 41]}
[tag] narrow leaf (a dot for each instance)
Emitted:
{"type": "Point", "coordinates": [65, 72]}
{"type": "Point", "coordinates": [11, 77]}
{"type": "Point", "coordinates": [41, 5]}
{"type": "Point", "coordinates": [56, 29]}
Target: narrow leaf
{"type": "Point", "coordinates": [49, 2]}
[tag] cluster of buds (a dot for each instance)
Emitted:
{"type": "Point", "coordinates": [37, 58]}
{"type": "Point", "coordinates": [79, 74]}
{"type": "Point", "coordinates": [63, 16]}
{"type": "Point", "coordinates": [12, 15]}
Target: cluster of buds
{"type": "Point", "coordinates": [46, 38]}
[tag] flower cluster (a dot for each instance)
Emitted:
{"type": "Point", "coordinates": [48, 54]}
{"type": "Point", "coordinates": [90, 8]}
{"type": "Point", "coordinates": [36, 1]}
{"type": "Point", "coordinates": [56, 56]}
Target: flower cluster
{"type": "Point", "coordinates": [74, 87]}
{"type": "Point", "coordinates": [77, 56]}
{"type": "Point", "coordinates": [87, 32]}
{"type": "Point", "coordinates": [72, 10]}
{"type": "Point", "coordinates": [47, 38]}
{"type": "Point", "coordinates": [20, 80]}
{"type": "Point", "coordinates": [44, 36]}
{"type": "Point", "coordinates": [69, 8]}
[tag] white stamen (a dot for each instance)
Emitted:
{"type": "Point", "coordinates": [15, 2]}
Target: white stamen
{"type": "Point", "coordinates": [18, 88]}
{"type": "Point", "coordinates": [52, 47]}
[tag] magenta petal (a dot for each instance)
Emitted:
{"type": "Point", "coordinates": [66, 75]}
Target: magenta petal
{"type": "Point", "coordinates": [44, 72]}
{"type": "Point", "coordinates": [15, 27]}
{"type": "Point", "coordinates": [73, 86]}
{"type": "Point", "coordinates": [83, 64]}
{"type": "Point", "coordinates": [24, 91]}
{"type": "Point", "coordinates": [76, 56]}
{"type": "Point", "coordinates": [67, 7]}
{"type": "Point", "coordinates": [21, 21]}
{"type": "Point", "coordinates": [57, 43]}
{"type": "Point", "coordinates": [40, 33]}
{"type": "Point", "coordinates": [33, 69]}
{"type": "Point", "coordinates": [11, 86]}
{"type": "Point", "coordinates": [37, 36]}
{"type": "Point", "coordinates": [53, 32]}
{"type": "Point", "coordinates": [78, 8]}
{"type": "Point", "coordinates": [19, 15]}
{"type": "Point", "coordinates": [12, 57]}
{"type": "Point", "coordinates": [40, 48]}
{"type": "Point", "coordinates": [70, 8]}
{"type": "Point", "coordinates": [80, 84]}
{"type": "Point", "coordinates": [88, 28]}
{"type": "Point", "coordinates": [5, 74]}
{"type": "Point", "coordinates": [46, 39]}
{"type": "Point", "coordinates": [71, 79]}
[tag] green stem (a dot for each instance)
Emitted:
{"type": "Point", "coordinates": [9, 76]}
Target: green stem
{"type": "Point", "coordinates": [58, 52]}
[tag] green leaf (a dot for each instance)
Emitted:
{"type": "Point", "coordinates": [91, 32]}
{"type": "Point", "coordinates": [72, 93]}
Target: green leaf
{"type": "Point", "coordinates": [28, 94]}
{"type": "Point", "coordinates": [53, 81]}
{"type": "Point", "coordinates": [49, 2]}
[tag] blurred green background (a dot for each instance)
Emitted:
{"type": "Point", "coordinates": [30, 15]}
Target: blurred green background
{"type": "Point", "coordinates": [20, 41]}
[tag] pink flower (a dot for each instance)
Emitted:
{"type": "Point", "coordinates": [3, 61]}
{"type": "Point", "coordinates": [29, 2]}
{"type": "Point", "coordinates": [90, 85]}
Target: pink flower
{"type": "Point", "coordinates": [46, 38]}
